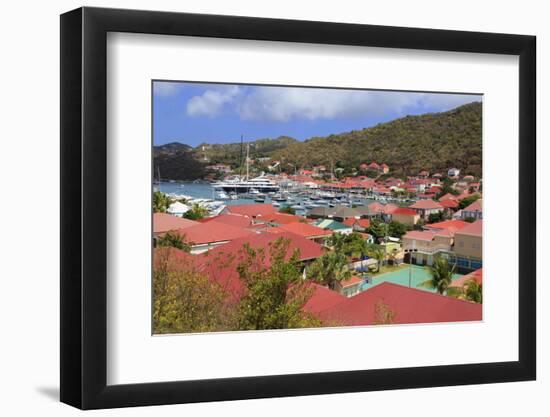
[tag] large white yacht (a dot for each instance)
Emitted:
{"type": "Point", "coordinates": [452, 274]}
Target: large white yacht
{"type": "Point", "coordinates": [242, 185]}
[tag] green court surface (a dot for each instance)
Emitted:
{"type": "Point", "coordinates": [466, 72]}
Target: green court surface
{"type": "Point", "coordinates": [416, 273]}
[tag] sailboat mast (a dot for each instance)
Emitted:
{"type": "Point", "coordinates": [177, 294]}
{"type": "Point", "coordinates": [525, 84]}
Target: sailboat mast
{"type": "Point", "coordinates": [241, 159]}
{"type": "Point", "coordinates": [247, 158]}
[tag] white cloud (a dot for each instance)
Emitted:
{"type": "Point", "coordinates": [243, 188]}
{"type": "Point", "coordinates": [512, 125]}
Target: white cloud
{"type": "Point", "coordinates": [446, 101]}
{"type": "Point", "coordinates": [283, 104]}
{"type": "Point", "coordinates": [212, 101]}
{"type": "Point", "coordinates": [166, 88]}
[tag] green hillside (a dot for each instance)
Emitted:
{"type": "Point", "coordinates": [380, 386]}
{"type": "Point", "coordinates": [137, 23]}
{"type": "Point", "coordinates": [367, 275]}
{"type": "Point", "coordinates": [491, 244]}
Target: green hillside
{"type": "Point", "coordinates": [434, 142]}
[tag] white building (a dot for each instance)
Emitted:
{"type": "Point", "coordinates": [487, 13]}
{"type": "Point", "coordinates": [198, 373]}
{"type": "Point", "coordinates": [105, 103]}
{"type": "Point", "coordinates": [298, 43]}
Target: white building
{"type": "Point", "coordinates": [178, 209]}
{"type": "Point", "coordinates": [453, 172]}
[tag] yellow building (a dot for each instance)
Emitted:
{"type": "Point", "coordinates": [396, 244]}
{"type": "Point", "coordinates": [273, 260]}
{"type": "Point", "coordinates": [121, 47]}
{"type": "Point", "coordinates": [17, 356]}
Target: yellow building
{"type": "Point", "coordinates": [405, 215]}
{"type": "Point", "coordinates": [469, 241]}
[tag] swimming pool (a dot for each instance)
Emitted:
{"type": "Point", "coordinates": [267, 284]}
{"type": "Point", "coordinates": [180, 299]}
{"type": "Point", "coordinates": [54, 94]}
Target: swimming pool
{"type": "Point", "coordinates": [418, 274]}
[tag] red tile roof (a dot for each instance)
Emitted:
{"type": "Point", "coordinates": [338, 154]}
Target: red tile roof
{"type": "Point", "coordinates": [448, 196]}
{"type": "Point", "coordinates": [163, 222]}
{"type": "Point", "coordinates": [426, 205]}
{"type": "Point", "coordinates": [449, 203]}
{"type": "Point", "coordinates": [409, 305]}
{"type": "Point", "coordinates": [279, 218]}
{"type": "Point", "coordinates": [364, 223]}
{"type": "Point", "coordinates": [212, 232]}
{"type": "Point", "coordinates": [174, 254]}
{"type": "Point", "coordinates": [354, 280]}
{"type": "Point", "coordinates": [221, 263]}
{"type": "Point", "coordinates": [405, 211]}
{"type": "Point", "coordinates": [477, 275]}
{"type": "Point", "coordinates": [475, 206]}
{"type": "Point", "coordinates": [231, 219]}
{"type": "Point", "coordinates": [473, 229]}
{"type": "Point", "coordinates": [322, 299]}
{"type": "Point", "coordinates": [448, 224]}
{"type": "Point", "coordinates": [251, 210]}
{"type": "Point", "coordinates": [305, 230]}
{"type": "Point", "coordinates": [419, 235]}
{"type": "Point", "coordinates": [390, 208]}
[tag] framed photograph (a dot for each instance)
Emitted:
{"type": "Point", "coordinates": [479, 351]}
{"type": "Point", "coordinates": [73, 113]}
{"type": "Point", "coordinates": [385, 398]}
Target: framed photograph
{"type": "Point", "coordinates": [258, 208]}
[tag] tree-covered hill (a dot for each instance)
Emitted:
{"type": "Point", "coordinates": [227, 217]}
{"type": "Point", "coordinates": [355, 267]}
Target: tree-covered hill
{"type": "Point", "coordinates": [434, 142]}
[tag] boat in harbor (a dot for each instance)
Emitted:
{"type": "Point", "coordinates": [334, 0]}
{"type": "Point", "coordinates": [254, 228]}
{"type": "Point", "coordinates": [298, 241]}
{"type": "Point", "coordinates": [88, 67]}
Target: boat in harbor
{"type": "Point", "coordinates": [247, 185]}
{"type": "Point", "coordinates": [238, 185]}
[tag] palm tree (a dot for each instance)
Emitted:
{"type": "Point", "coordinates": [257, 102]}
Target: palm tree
{"type": "Point", "coordinates": [196, 212]}
{"type": "Point", "coordinates": [160, 202]}
{"type": "Point", "coordinates": [471, 290]}
{"type": "Point", "coordinates": [174, 240]}
{"type": "Point", "coordinates": [374, 251]}
{"type": "Point", "coordinates": [337, 241]}
{"type": "Point", "coordinates": [330, 268]}
{"type": "Point", "coordinates": [442, 276]}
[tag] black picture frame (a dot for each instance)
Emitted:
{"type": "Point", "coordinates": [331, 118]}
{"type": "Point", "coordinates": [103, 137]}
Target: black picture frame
{"type": "Point", "coordinates": [84, 207]}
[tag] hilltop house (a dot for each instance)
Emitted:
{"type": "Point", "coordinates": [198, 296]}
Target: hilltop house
{"type": "Point", "coordinates": [453, 172]}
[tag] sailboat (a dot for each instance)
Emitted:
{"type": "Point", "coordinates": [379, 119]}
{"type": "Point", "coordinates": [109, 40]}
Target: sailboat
{"type": "Point", "coordinates": [260, 184]}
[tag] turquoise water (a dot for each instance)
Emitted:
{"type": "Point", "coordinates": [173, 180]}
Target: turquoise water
{"type": "Point", "coordinates": [205, 190]}
{"type": "Point", "coordinates": [197, 190]}
{"type": "Point", "coordinates": [418, 274]}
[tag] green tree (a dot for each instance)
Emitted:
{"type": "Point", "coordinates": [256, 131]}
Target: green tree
{"type": "Point", "coordinates": [465, 202]}
{"type": "Point", "coordinates": [397, 229]}
{"type": "Point", "coordinates": [160, 202]}
{"type": "Point", "coordinates": [378, 229]}
{"type": "Point", "coordinates": [471, 290]}
{"type": "Point", "coordinates": [376, 252]}
{"type": "Point", "coordinates": [442, 275]}
{"type": "Point", "coordinates": [184, 300]}
{"type": "Point", "coordinates": [196, 212]}
{"type": "Point", "coordinates": [329, 269]}
{"type": "Point", "coordinates": [275, 294]}
{"type": "Point", "coordinates": [436, 217]}
{"type": "Point", "coordinates": [287, 210]}
{"type": "Point", "coordinates": [174, 240]}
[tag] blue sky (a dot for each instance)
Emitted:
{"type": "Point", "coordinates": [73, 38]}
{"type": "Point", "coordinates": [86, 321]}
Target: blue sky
{"type": "Point", "coordinates": [194, 113]}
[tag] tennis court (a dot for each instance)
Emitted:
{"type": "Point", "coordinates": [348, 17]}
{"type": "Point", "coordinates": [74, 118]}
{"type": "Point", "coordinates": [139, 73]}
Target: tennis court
{"type": "Point", "coordinates": [413, 274]}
